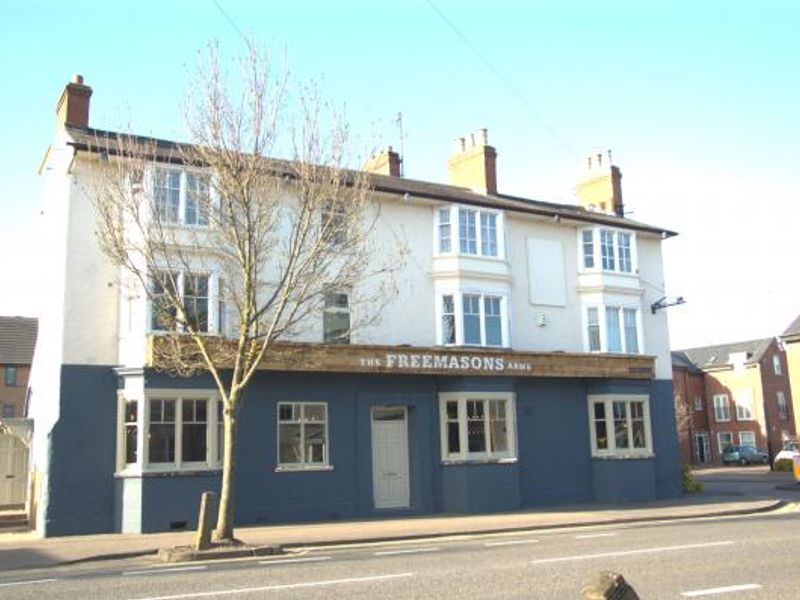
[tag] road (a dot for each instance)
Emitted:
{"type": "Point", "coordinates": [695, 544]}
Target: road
{"type": "Point", "coordinates": [737, 557]}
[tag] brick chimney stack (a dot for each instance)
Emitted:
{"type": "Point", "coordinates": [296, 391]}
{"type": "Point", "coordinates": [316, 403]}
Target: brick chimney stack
{"type": "Point", "coordinates": [73, 107]}
{"type": "Point", "coordinates": [474, 164]}
{"type": "Point", "coordinates": [600, 187]}
{"type": "Point", "coordinates": [385, 162]}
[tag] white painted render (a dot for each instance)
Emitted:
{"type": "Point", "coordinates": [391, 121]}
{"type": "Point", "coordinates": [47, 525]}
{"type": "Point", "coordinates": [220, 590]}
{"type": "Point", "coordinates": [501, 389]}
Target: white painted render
{"type": "Point", "coordinates": [105, 314]}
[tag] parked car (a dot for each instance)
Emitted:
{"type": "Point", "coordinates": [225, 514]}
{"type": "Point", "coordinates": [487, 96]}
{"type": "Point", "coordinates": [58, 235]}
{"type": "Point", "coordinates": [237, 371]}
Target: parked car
{"type": "Point", "coordinates": [744, 455]}
{"type": "Point", "coordinates": [790, 448]}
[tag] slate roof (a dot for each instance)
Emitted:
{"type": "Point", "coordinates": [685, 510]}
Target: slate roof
{"type": "Point", "coordinates": [17, 340]}
{"type": "Point", "coordinates": [681, 361]}
{"type": "Point", "coordinates": [708, 357]}
{"type": "Point", "coordinates": [97, 140]}
{"type": "Point", "coordinates": [793, 330]}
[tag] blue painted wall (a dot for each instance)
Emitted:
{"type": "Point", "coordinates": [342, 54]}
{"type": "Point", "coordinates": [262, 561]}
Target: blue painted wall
{"type": "Point", "coordinates": [553, 441]}
{"type": "Point", "coordinates": [554, 466]}
{"type": "Point", "coordinates": [83, 446]}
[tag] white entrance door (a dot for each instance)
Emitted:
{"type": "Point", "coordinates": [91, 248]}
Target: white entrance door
{"type": "Point", "coordinates": [390, 457]}
{"type": "Point", "coordinates": [13, 470]}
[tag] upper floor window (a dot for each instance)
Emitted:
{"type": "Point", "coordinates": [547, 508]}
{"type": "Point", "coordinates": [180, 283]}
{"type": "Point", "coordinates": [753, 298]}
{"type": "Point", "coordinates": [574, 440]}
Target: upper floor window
{"type": "Point", "coordinates": [180, 197]}
{"type": "Point", "coordinates": [11, 376]}
{"type": "Point", "coordinates": [479, 231]}
{"type": "Point", "coordinates": [336, 318]}
{"type": "Point", "coordinates": [783, 409]}
{"type": "Point", "coordinates": [698, 404]}
{"type": "Point", "coordinates": [722, 412]}
{"type": "Point", "coordinates": [333, 222]}
{"type": "Point", "coordinates": [612, 329]}
{"type": "Point", "coordinates": [615, 249]}
{"type": "Point", "coordinates": [776, 364]}
{"type": "Point", "coordinates": [744, 405]}
{"type": "Point", "coordinates": [169, 291]}
{"type": "Point", "coordinates": [472, 319]}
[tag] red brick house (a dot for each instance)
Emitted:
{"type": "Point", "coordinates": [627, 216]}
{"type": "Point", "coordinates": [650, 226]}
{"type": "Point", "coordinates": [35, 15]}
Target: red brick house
{"type": "Point", "coordinates": [17, 340]}
{"type": "Point", "coordinates": [728, 394]}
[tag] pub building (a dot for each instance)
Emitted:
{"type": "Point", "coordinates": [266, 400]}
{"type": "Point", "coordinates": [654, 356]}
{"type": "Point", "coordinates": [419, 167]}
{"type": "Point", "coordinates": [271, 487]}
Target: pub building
{"type": "Point", "coordinates": [522, 364]}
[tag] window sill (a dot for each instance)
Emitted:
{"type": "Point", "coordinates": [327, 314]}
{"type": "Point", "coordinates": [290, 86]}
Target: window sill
{"type": "Point", "coordinates": [191, 472]}
{"type": "Point", "coordinates": [479, 461]}
{"type": "Point", "coordinates": [302, 469]}
{"type": "Point", "coordinates": [624, 456]}
{"type": "Point", "coordinates": [466, 255]}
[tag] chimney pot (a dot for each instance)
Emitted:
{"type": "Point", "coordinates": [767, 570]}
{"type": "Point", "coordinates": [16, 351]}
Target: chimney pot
{"type": "Point", "coordinates": [77, 78]}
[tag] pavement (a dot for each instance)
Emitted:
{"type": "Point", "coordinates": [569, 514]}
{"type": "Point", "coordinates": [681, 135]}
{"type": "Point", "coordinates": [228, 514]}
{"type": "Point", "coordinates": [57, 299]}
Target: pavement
{"type": "Point", "coordinates": [24, 550]}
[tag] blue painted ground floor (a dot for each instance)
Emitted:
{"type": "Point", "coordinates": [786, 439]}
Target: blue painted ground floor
{"type": "Point", "coordinates": [133, 451]}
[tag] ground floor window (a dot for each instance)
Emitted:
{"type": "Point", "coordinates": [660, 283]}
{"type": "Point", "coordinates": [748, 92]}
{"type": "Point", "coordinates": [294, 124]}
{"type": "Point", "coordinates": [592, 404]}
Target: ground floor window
{"type": "Point", "coordinates": [302, 435]}
{"type": "Point", "coordinates": [747, 438]}
{"type": "Point", "coordinates": [724, 439]}
{"type": "Point", "coordinates": [620, 425]}
{"type": "Point", "coordinates": [478, 426]}
{"type": "Point", "coordinates": [169, 431]}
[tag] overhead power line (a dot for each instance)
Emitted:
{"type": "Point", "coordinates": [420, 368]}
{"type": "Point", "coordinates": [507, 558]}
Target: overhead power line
{"type": "Point", "coordinates": [501, 78]}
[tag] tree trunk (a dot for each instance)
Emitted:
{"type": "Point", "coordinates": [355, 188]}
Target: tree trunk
{"type": "Point", "coordinates": [224, 530]}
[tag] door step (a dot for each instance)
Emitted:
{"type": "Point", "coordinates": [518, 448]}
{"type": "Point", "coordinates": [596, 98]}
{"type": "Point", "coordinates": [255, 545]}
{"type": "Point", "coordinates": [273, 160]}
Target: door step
{"type": "Point", "coordinates": [13, 520]}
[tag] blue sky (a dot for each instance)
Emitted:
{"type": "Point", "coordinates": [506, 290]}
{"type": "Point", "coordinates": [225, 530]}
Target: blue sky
{"type": "Point", "coordinates": [697, 100]}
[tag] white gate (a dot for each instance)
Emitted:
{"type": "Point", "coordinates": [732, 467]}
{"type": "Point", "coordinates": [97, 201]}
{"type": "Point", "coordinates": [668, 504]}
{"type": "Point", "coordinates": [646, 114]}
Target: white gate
{"type": "Point", "coordinates": [13, 470]}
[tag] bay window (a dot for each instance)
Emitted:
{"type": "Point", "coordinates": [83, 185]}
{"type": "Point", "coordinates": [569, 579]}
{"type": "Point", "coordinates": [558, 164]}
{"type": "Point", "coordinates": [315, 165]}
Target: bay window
{"type": "Point", "coordinates": [612, 329]}
{"type": "Point", "coordinates": [479, 426]}
{"type": "Point", "coordinates": [480, 232]}
{"type": "Point", "coordinates": [619, 426]}
{"type": "Point", "coordinates": [472, 319]}
{"type": "Point", "coordinates": [616, 250]}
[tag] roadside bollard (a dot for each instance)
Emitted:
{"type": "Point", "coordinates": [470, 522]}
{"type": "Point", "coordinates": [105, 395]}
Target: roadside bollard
{"type": "Point", "coordinates": [208, 503]}
{"type": "Point", "coordinates": [608, 586]}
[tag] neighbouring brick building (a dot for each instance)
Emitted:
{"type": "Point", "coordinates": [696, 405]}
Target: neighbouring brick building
{"type": "Point", "coordinates": [791, 344]}
{"type": "Point", "coordinates": [17, 340]}
{"type": "Point", "coordinates": [728, 394]}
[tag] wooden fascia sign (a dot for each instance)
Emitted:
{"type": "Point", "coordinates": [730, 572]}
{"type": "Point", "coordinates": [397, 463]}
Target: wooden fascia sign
{"type": "Point", "coordinates": [406, 360]}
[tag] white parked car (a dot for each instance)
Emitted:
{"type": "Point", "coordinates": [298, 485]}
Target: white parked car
{"type": "Point", "coordinates": [790, 448]}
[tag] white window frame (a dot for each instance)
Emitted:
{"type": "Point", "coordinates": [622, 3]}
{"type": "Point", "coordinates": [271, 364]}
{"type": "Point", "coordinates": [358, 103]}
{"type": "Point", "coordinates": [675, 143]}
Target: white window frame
{"type": "Point", "coordinates": [722, 410]}
{"type": "Point", "coordinates": [602, 323]}
{"type": "Point", "coordinates": [783, 406]}
{"type": "Point", "coordinates": [458, 312]}
{"type": "Point", "coordinates": [454, 211]}
{"type": "Point", "coordinates": [183, 195]}
{"type": "Point", "coordinates": [615, 249]}
{"type": "Point", "coordinates": [336, 310]}
{"type": "Point", "coordinates": [325, 465]}
{"type": "Point", "coordinates": [214, 302]}
{"type": "Point", "coordinates": [143, 464]}
{"type": "Point", "coordinates": [745, 406]}
{"type": "Point", "coordinates": [698, 403]}
{"type": "Point", "coordinates": [464, 456]}
{"type": "Point", "coordinates": [720, 446]}
{"type": "Point", "coordinates": [750, 434]}
{"type": "Point", "coordinates": [777, 369]}
{"type": "Point", "coordinates": [612, 451]}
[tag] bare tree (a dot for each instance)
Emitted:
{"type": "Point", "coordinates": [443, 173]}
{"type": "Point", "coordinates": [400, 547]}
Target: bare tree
{"type": "Point", "coordinates": [285, 236]}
